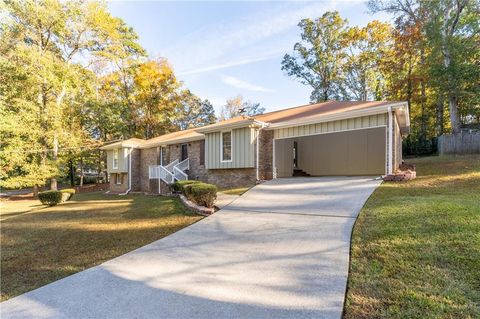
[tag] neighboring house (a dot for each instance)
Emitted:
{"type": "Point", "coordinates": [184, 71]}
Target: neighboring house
{"type": "Point", "coordinates": [330, 138]}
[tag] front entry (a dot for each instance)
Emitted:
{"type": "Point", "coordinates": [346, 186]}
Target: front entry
{"type": "Point", "coordinates": [184, 153]}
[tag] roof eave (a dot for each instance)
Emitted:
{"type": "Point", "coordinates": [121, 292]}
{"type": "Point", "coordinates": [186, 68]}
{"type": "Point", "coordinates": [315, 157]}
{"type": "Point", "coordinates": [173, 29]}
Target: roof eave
{"type": "Point", "coordinates": [234, 125]}
{"type": "Point", "coordinates": [173, 142]}
{"type": "Point", "coordinates": [334, 116]}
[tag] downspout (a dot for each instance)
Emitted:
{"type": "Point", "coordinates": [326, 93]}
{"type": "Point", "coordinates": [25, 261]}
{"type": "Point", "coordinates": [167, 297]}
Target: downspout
{"type": "Point", "coordinates": [161, 164]}
{"type": "Point", "coordinates": [390, 140]}
{"type": "Point", "coordinates": [129, 172]}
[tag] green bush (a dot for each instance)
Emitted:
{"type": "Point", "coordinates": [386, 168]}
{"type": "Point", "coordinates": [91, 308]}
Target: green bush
{"type": "Point", "coordinates": [180, 185]}
{"type": "Point", "coordinates": [50, 198]}
{"type": "Point", "coordinates": [67, 193]}
{"type": "Point", "coordinates": [201, 193]}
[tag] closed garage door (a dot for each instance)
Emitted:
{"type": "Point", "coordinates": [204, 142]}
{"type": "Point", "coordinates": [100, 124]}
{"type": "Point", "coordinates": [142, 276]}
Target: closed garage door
{"type": "Point", "coordinates": [358, 152]}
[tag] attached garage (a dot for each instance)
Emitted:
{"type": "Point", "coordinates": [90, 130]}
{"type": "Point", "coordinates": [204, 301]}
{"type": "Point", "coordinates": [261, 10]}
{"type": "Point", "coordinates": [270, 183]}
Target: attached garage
{"type": "Point", "coordinates": [356, 152]}
{"type": "Point", "coordinates": [366, 141]}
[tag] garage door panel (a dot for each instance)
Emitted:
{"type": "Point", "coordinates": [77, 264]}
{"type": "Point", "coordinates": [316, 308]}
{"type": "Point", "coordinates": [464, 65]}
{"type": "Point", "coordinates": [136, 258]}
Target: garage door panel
{"type": "Point", "coordinates": [357, 157]}
{"type": "Point", "coordinates": [357, 152]}
{"type": "Point", "coordinates": [376, 150]}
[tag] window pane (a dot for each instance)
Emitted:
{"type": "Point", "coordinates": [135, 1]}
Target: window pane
{"type": "Point", "coordinates": [227, 146]}
{"type": "Point", "coordinates": [115, 158]}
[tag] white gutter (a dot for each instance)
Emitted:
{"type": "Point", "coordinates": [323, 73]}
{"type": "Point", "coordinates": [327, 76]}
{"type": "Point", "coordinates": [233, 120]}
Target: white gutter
{"type": "Point", "coordinates": [390, 140]}
{"type": "Point", "coordinates": [258, 155]}
{"type": "Point", "coordinates": [161, 164]}
{"type": "Point", "coordinates": [129, 172]}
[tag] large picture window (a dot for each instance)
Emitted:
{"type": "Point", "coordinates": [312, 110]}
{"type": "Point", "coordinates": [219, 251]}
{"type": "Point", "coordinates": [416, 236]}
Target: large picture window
{"type": "Point", "coordinates": [226, 146]}
{"type": "Point", "coordinates": [115, 158]}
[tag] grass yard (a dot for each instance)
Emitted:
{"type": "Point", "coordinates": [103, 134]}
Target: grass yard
{"type": "Point", "coordinates": [416, 245]}
{"type": "Point", "coordinates": [42, 244]}
{"type": "Point", "coordinates": [235, 191]}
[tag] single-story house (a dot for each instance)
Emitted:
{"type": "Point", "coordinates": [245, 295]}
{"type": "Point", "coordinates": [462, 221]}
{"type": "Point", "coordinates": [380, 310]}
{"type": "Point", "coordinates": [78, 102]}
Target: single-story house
{"type": "Point", "coordinates": [330, 138]}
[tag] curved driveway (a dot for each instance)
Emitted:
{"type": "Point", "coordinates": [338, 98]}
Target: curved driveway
{"type": "Point", "coordinates": [279, 251]}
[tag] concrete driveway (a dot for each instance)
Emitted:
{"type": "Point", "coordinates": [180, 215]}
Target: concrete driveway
{"type": "Point", "coordinates": [279, 251]}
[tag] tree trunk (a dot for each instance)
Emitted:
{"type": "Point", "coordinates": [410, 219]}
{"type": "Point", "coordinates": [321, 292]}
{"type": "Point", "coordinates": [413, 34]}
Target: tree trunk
{"type": "Point", "coordinates": [423, 97]}
{"type": "Point", "coordinates": [440, 119]}
{"type": "Point", "coordinates": [35, 191]}
{"type": "Point", "coordinates": [454, 117]}
{"type": "Point", "coordinates": [81, 172]}
{"type": "Point", "coordinates": [72, 173]}
{"type": "Point", "coordinates": [53, 181]}
{"type": "Point", "coordinates": [447, 60]}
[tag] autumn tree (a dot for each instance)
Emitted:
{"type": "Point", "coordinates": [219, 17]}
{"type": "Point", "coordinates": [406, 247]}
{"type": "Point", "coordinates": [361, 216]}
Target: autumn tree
{"type": "Point", "coordinates": [47, 42]}
{"type": "Point", "coordinates": [193, 112]}
{"type": "Point", "coordinates": [236, 106]}
{"type": "Point", "coordinates": [317, 59]}
{"type": "Point", "coordinates": [362, 70]}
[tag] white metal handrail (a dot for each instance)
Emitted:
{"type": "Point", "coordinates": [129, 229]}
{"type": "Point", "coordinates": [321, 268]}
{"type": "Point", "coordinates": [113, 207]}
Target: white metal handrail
{"type": "Point", "coordinates": [179, 175]}
{"type": "Point", "coordinates": [170, 166]}
{"type": "Point", "coordinates": [175, 171]}
{"type": "Point", "coordinates": [183, 165]}
{"type": "Point", "coordinates": [165, 175]}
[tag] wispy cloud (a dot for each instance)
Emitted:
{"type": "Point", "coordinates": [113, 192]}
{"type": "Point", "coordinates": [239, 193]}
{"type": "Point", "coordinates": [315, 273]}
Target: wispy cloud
{"type": "Point", "coordinates": [228, 64]}
{"type": "Point", "coordinates": [229, 43]}
{"type": "Point", "coordinates": [244, 85]}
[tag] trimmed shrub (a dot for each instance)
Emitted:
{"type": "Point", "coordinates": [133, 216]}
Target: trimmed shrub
{"type": "Point", "coordinates": [50, 198]}
{"type": "Point", "coordinates": [201, 193]}
{"type": "Point", "coordinates": [67, 193]}
{"type": "Point", "coordinates": [179, 186]}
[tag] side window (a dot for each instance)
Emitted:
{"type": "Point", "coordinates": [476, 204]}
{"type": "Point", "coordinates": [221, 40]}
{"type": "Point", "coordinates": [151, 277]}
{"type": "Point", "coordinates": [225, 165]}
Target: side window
{"type": "Point", "coordinates": [115, 158]}
{"type": "Point", "coordinates": [202, 152]}
{"type": "Point", "coordinates": [226, 146]}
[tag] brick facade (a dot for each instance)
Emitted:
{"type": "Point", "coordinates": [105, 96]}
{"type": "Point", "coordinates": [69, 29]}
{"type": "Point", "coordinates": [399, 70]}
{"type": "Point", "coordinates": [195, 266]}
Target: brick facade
{"type": "Point", "coordinates": [136, 170]}
{"type": "Point", "coordinates": [118, 188]}
{"type": "Point", "coordinates": [149, 156]}
{"type": "Point", "coordinates": [223, 178]}
{"type": "Point", "coordinates": [265, 168]}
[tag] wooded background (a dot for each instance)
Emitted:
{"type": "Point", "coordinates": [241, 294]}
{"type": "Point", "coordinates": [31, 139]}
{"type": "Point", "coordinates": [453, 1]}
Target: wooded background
{"type": "Point", "coordinates": [72, 77]}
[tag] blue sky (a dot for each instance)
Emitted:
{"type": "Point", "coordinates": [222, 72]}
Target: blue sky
{"type": "Point", "coordinates": [221, 49]}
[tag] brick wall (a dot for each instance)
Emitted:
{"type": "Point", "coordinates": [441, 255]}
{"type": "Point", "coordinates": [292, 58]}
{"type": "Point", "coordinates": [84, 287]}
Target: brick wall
{"type": "Point", "coordinates": [149, 156]}
{"type": "Point", "coordinates": [118, 188]}
{"type": "Point", "coordinates": [136, 187]}
{"type": "Point", "coordinates": [231, 178]}
{"type": "Point", "coordinates": [265, 168]}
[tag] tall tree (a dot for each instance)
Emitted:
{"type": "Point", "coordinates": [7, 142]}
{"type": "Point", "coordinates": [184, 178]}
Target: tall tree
{"type": "Point", "coordinates": [362, 70]}
{"type": "Point", "coordinates": [47, 42]}
{"type": "Point", "coordinates": [156, 94]}
{"type": "Point", "coordinates": [316, 60]}
{"type": "Point", "coordinates": [236, 106]}
{"type": "Point", "coordinates": [193, 112]}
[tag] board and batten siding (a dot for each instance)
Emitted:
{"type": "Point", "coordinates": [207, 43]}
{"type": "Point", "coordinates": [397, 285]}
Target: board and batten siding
{"type": "Point", "coordinates": [333, 126]}
{"type": "Point", "coordinates": [243, 141]}
{"type": "Point", "coordinates": [122, 161]}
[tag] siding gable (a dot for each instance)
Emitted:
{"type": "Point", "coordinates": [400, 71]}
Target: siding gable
{"type": "Point", "coordinates": [242, 149]}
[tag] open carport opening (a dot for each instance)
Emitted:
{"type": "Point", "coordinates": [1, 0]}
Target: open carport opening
{"type": "Point", "coordinates": [348, 153]}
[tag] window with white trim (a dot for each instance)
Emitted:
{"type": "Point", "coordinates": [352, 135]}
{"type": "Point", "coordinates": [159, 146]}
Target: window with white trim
{"type": "Point", "coordinates": [226, 146]}
{"type": "Point", "coordinates": [115, 159]}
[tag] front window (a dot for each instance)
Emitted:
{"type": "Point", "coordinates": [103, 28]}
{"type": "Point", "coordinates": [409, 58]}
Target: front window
{"type": "Point", "coordinates": [226, 146]}
{"type": "Point", "coordinates": [115, 158]}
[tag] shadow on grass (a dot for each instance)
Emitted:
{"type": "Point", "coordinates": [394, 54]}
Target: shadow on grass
{"type": "Point", "coordinates": [86, 231]}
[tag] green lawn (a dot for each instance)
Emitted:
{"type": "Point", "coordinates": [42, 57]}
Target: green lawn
{"type": "Point", "coordinates": [416, 245]}
{"type": "Point", "coordinates": [235, 191]}
{"type": "Point", "coordinates": [41, 244]}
